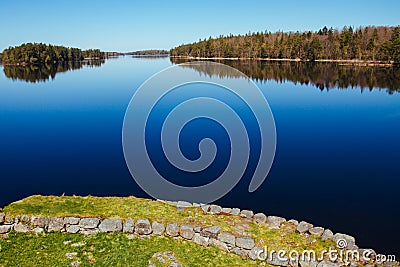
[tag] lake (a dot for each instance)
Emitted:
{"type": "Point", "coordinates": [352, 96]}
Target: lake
{"type": "Point", "coordinates": [336, 162]}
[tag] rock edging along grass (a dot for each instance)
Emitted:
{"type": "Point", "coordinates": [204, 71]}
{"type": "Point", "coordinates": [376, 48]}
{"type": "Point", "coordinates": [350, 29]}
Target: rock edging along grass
{"type": "Point", "coordinates": [204, 234]}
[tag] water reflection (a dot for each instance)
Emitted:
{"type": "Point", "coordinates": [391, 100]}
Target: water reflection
{"type": "Point", "coordinates": [324, 76]}
{"type": "Point", "coordinates": [42, 73]}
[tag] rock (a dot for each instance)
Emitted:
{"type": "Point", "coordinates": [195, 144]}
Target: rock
{"type": "Point", "coordinates": [182, 205]}
{"type": "Point", "coordinates": [75, 263]}
{"type": "Point", "coordinates": [21, 228]}
{"type": "Point", "coordinates": [37, 230]}
{"type": "Point", "coordinates": [25, 218]}
{"type": "Point", "coordinates": [212, 231]}
{"type": "Point", "coordinates": [71, 220]}
{"type": "Point", "coordinates": [72, 229]}
{"type": "Point", "coordinates": [304, 227]}
{"type": "Point", "coordinates": [227, 238]}
{"type": "Point", "coordinates": [79, 244]}
{"type": "Point", "coordinates": [274, 222]}
{"type": "Point", "coordinates": [218, 244]}
{"type": "Point", "coordinates": [295, 222]}
{"type": "Point", "coordinates": [279, 261]}
{"type": "Point", "coordinates": [164, 259]}
{"type": "Point", "coordinates": [240, 252]}
{"type": "Point", "coordinates": [89, 223]}
{"type": "Point", "coordinates": [172, 229]}
{"type": "Point", "coordinates": [197, 229]}
{"type": "Point", "coordinates": [40, 222]}
{"type": "Point", "coordinates": [186, 231]}
{"type": "Point", "coordinates": [259, 218]}
{"type": "Point", "coordinates": [244, 242]}
{"type": "Point", "coordinates": [235, 211]}
{"type": "Point", "coordinates": [325, 263]}
{"type": "Point", "coordinates": [2, 217]}
{"type": "Point", "coordinates": [200, 240]}
{"type": "Point", "coordinates": [110, 225]}
{"type": "Point", "coordinates": [307, 262]}
{"type": "Point", "coordinates": [158, 228]}
{"type": "Point", "coordinates": [129, 226]}
{"type": "Point", "coordinates": [197, 205]}
{"type": "Point", "coordinates": [257, 253]}
{"type": "Point", "coordinates": [327, 235]}
{"type": "Point", "coordinates": [344, 241]}
{"type": "Point", "coordinates": [71, 255]}
{"type": "Point", "coordinates": [143, 227]}
{"type": "Point", "coordinates": [205, 208]}
{"type": "Point", "coordinates": [215, 209]}
{"type": "Point", "coordinates": [5, 229]}
{"type": "Point", "coordinates": [226, 210]}
{"type": "Point", "coordinates": [317, 231]}
{"type": "Point", "coordinates": [55, 224]}
{"type": "Point", "coordinates": [246, 214]}
{"type": "Point", "coordinates": [90, 231]}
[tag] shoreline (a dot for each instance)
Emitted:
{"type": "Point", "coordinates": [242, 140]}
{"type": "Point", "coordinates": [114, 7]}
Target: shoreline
{"type": "Point", "coordinates": [349, 62]}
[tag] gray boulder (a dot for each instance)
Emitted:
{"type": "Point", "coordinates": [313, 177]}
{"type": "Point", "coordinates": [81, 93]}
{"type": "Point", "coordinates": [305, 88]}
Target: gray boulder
{"type": "Point", "coordinates": [260, 218]}
{"type": "Point", "coordinates": [245, 242]}
{"type": "Point", "coordinates": [305, 261]}
{"type": "Point", "coordinates": [158, 228]}
{"type": "Point", "coordinates": [40, 222]}
{"type": "Point", "coordinates": [257, 253]}
{"type": "Point", "coordinates": [143, 227]}
{"type": "Point", "coordinates": [21, 228]}
{"type": "Point", "coordinates": [2, 217]}
{"type": "Point", "coordinates": [89, 223]}
{"type": "Point", "coordinates": [215, 209]}
{"type": "Point", "coordinates": [226, 210]}
{"type": "Point", "coordinates": [5, 229]}
{"type": "Point", "coordinates": [163, 258]}
{"type": "Point", "coordinates": [211, 232]}
{"type": "Point", "coordinates": [279, 261]}
{"type": "Point", "coordinates": [218, 244]}
{"type": "Point", "coordinates": [246, 214]}
{"type": "Point", "coordinates": [200, 240]}
{"type": "Point", "coordinates": [235, 211]}
{"type": "Point", "coordinates": [110, 225]}
{"type": "Point", "coordinates": [182, 205]}
{"type": "Point", "coordinates": [89, 231]}
{"type": "Point", "coordinates": [241, 252]}
{"type": "Point", "coordinates": [205, 208]}
{"type": "Point", "coordinates": [303, 227]}
{"type": "Point", "coordinates": [295, 222]}
{"type": "Point", "coordinates": [227, 238]}
{"type": "Point", "coordinates": [71, 220]}
{"type": "Point", "coordinates": [317, 231]}
{"type": "Point", "coordinates": [172, 229]}
{"type": "Point", "coordinates": [186, 231]}
{"type": "Point", "coordinates": [129, 226]}
{"type": "Point", "coordinates": [37, 230]}
{"type": "Point", "coordinates": [274, 222]}
{"type": "Point", "coordinates": [327, 235]}
{"type": "Point", "coordinates": [349, 242]}
{"type": "Point", "coordinates": [197, 229]}
{"type": "Point", "coordinates": [55, 224]}
{"type": "Point", "coordinates": [72, 229]}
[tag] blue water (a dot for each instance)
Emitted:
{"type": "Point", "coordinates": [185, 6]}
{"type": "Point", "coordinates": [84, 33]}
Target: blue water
{"type": "Point", "coordinates": [336, 161]}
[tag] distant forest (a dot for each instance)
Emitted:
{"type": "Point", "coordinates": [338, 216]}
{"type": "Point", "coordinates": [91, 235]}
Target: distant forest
{"type": "Point", "coordinates": [151, 52]}
{"type": "Point", "coordinates": [364, 43]}
{"type": "Point", "coordinates": [39, 53]}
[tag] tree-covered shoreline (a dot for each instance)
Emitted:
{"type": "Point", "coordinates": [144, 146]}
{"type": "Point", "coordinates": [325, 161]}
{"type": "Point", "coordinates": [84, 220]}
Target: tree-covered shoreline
{"type": "Point", "coordinates": [379, 44]}
{"type": "Point", "coordinates": [39, 53]}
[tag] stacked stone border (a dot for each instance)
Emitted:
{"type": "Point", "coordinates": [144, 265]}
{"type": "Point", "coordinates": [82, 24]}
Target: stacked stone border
{"type": "Point", "coordinates": [243, 246]}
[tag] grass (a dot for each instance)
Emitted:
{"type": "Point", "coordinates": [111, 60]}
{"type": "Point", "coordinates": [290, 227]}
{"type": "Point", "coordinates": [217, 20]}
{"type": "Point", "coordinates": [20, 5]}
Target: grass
{"type": "Point", "coordinates": [124, 250]}
{"type": "Point", "coordinates": [107, 250]}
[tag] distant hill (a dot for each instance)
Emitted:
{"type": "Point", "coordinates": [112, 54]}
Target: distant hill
{"type": "Point", "coordinates": [150, 52]}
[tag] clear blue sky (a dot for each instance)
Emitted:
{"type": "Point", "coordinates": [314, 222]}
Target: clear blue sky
{"type": "Point", "coordinates": [135, 25]}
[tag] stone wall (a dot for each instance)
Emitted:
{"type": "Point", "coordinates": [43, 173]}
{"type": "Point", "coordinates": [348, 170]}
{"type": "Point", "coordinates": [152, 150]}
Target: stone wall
{"type": "Point", "coordinates": [245, 246]}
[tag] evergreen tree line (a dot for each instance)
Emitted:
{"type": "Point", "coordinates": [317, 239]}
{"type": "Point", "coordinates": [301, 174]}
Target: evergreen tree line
{"type": "Point", "coordinates": [39, 53]}
{"type": "Point", "coordinates": [364, 43]}
{"type": "Point", "coordinates": [150, 52]}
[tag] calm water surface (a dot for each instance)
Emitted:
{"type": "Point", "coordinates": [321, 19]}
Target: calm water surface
{"type": "Point", "coordinates": [336, 163]}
